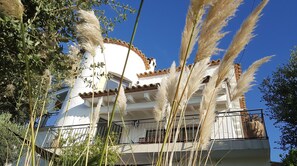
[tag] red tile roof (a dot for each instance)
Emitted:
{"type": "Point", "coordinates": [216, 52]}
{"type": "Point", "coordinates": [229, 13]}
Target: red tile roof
{"type": "Point", "coordinates": [137, 88]}
{"type": "Point", "coordinates": [165, 71]}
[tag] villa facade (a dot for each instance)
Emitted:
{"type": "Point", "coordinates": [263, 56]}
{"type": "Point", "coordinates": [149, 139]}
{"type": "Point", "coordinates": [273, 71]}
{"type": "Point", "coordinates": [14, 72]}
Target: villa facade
{"type": "Point", "coordinates": [238, 137]}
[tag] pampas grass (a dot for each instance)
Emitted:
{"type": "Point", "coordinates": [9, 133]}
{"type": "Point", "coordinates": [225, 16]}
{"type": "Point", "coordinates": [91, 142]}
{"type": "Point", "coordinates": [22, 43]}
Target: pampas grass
{"type": "Point", "coordinates": [196, 77]}
{"type": "Point", "coordinates": [244, 83]}
{"type": "Point", "coordinates": [190, 33]}
{"type": "Point", "coordinates": [122, 101]}
{"type": "Point", "coordinates": [242, 37]}
{"type": "Point", "coordinates": [12, 8]}
{"type": "Point", "coordinates": [9, 90]}
{"type": "Point", "coordinates": [161, 101]}
{"type": "Point", "coordinates": [75, 60]}
{"type": "Point", "coordinates": [89, 32]}
{"type": "Point", "coordinates": [218, 16]}
{"type": "Point", "coordinates": [89, 37]}
{"type": "Point", "coordinates": [171, 82]}
{"type": "Point", "coordinates": [47, 76]}
{"type": "Point", "coordinates": [96, 112]}
{"type": "Point", "coordinates": [207, 110]}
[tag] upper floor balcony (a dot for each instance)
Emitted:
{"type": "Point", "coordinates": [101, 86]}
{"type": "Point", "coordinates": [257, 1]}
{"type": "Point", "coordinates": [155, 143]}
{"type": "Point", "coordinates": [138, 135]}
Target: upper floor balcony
{"type": "Point", "coordinates": [237, 133]}
{"type": "Point", "coordinates": [244, 124]}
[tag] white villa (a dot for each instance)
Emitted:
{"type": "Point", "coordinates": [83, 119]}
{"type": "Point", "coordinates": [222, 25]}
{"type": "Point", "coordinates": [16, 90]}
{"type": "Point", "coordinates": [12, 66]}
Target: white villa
{"type": "Point", "coordinates": [239, 134]}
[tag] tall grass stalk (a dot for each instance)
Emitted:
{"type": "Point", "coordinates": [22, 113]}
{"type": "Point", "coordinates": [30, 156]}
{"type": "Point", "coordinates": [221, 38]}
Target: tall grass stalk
{"type": "Point", "coordinates": [51, 162]}
{"type": "Point", "coordinates": [207, 107]}
{"type": "Point", "coordinates": [29, 126]}
{"type": "Point", "coordinates": [120, 84]}
{"type": "Point", "coordinates": [48, 83]}
{"type": "Point", "coordinates": [184, 54]}
{"type": "Point", "coordinates": [242, 37]}
{"type": "Point", "coordinates": [28, 77]}
{"type": "Point", "coordinates": [127, 134]}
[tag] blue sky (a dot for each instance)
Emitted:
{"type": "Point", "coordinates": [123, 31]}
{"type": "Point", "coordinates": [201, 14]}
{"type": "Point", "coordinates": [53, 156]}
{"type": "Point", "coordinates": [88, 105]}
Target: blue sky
{"type": "Point", "coordinates": [159, 36]}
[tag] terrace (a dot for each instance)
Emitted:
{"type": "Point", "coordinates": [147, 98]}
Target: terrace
{"type": "Point", "coordinates": [235, 125]}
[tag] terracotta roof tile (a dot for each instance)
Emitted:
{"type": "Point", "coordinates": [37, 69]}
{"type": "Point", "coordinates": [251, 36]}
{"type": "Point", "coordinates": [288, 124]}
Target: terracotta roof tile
{"type": "Point", "coordinates": [135, 49]}
{"type": "Point", "coordinates": [137, 88]}
{"type": "Point", "coordinates": [238, 72]}
{"type": "Point", "coordinates": [165, 71]}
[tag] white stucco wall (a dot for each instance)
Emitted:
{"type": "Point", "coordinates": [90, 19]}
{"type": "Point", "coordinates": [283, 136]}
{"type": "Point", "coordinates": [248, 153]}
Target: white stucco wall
{"type": "Point", "coordinates": [114, 57]}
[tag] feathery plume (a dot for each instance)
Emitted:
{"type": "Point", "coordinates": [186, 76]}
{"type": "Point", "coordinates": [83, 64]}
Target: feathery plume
{"type": "Point", "coordinates": [206, 129]}
{"type": "Point", "coordinates": [167, 115]}
{"type": "Point", "coordinates": [96, 112]}
{"type": "Point", "coordinates": [171, 82]}
{"type": "Point", "coordinates": [244, 83]}
{"type": "Point", "coordinates": [207, 110]}
{"type": "Point", "coordinates": [196, 77]}
{"type": "Point", "coordinates": [161, 101]}
{"type": "Point", "coordinates": [218, 16]}
{"type": "Point", "coordinates": [9, 91]}
{"type": "Point", "coordinates": [73, 51]}
{"type": "Point", "coordinates": [122, 101]}
{"type": "Point", "coordinates": [88, 17]}
{"type": "Point", "coordinates": [190, 33]}
{"type": "Point", "coordinates": [47, 76]}
{"type": "Point", "coordinates": [242, 37]}
{"type": "Point", "coordinates": [74, 56]}
{"type": "Point", "coordinates": [75, 61]}
{"type": "Point", "coordinates": [89, 32]}
{"type": "Point", "coordinates": [183, 90]}
{"type": "Point", "coordinates": [13, 8]}
{"type": "Point", "coordinates": [88, 47]}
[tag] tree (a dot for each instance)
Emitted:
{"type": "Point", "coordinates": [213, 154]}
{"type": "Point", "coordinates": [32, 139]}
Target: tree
{"type": "Point", "coordinates": [49, 27]}
{"type": "Point", "coordinates": [74, 152]}
{"type": "Point", "coordinates": [280, 94]}
{"type": "Point", "coordinates": [290, 159]}
{"type": "Point", "coordinates": [9, 143]}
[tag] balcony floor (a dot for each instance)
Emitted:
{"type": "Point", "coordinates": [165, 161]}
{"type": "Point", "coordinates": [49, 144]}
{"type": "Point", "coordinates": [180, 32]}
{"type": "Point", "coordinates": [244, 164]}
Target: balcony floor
{"type": "Point", "coordinates": [255, 149]}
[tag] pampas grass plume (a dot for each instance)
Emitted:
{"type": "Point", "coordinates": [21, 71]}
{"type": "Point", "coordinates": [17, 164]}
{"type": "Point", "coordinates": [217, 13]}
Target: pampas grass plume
{"type": "Point", "coordinates": [171, 83]}
{"type": "Point", "coordinates": [242, 37]}
{"type": "Point", "coordinates": [207, 110]}
{"type": "Point", "coordinates": [9, 91]}
{"type": "Point", "coordinates": [122, 101]}
{"type": "Point", "coordinates": [211, 29]}
{"type": "Point", "coordinates": [196, 77]}
{"type": "Point", "coordinates": [244, 83]}
{"type": "Point", "coordinates": [96, 112]}
{"type": "Point", "coordinates": [89, 32]}
{"type": "Point", "coordinates": [193, 20]}
{"type": "Point", "coordinates": [13, 8]}
{"type": "Point", "coordinates": [47, 76]}
{"type": "Point", "coordinates": [161, 101]}
{"type": "Point", "coordinates": [207, 128]}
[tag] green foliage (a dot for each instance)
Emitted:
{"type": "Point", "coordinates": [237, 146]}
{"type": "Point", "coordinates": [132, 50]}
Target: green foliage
{"type": "Point", "coordinates": [280, 94]}
{"type": "Point", "coordinates": [49, 27]}
{"type": "Point", "coordinates": [9, 143]}
{"type": "Point", "coordinates": [75, 152]}
{"type": "Point", "coordinates": [290, 159]}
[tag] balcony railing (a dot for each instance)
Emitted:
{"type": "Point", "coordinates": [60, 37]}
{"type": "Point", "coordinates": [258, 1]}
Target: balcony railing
{"type": "Point", "coordinates": [228, 125]}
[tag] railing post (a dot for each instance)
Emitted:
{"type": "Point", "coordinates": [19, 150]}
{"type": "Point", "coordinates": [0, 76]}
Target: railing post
{"type": "Point", "coordinates": [263, 118]}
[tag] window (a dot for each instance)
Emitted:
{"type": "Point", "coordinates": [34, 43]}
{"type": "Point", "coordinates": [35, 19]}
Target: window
{"type": "Point", "coordinates": [155, 136]}
{"type": "Point", "coordinates": [60, 99]}
{"type": "Point", "coordinates": [49, 119]}
{"type": "Point", "coordinates": [185, 135]}
{"type": "Point", "coordinates": [114, 80]}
